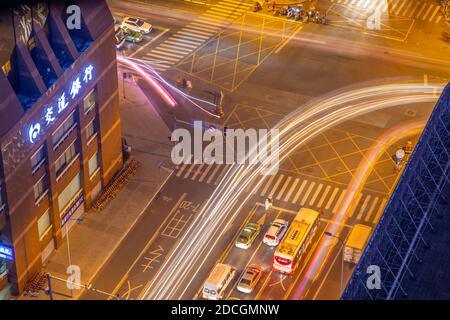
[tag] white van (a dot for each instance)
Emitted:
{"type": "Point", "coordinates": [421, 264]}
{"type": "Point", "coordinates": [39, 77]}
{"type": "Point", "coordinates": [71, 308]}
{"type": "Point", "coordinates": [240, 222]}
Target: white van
{"type": "Point", "coordinates": [217, 281]}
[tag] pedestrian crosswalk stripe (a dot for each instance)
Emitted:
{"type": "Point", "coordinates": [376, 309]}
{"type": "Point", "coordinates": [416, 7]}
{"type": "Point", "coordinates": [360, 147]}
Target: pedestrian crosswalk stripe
{"type": "Point", "coordinates": [173, 47]}
{"type": "Point", "coordinates": [427, 12]}
{"type": "Point", "coordinates": [283, 188]}
{"type": "Point", "coordinates": [338, 202]}
{"type": "Point", "coordinates": [330, 201]}
{"type": "Point", "coordinates": [179, 43]}
{"type": "Point", "coordinates": [205, 172]}
{"type": "Point", "coordinates": [161, 53]}
{"type": "Point", "coordinates": [314, 197]}
{"type": "Point", "coordinates": [196, 31]}
{"type": "Point", "coordinates": [227, 15]}
{"type": "Point", "coordinates": [221, 11]}
{"type": "Point", "coordinates": [266, 187]}
{"type": "Point", "coordinates": [356, 205]}
{"type": "Point", "coordinates": [180, 171]}
{"type": "Point", "coordinates": [380, 210]}
{"type": "Point", "coordinates": [363, 207]}
{"type": "Point", "coordinates": [222, 173]}
{"type": "Point", "coordinates": [421, 10]}
{"type": "Point", "coordinates": [192, 35]}
{"type": "Point", "coordinates": [299, 192]}
{"type": "Point", "coordinates": [407, 7]}
{"type": "Point", "coordinates": [194, 38]}
{"type": "Point", "coordinates": [210, 23]}
{"type": "Point", "coordinates": [159, 56]}
{"type": "Point", "coordinates": [434, 13]}
{"type": "Point", "coordinates": [311, 186]}
{"type": "Point", "coordinates": [189, 171]}
{"type": "Point", "coordinates": [276, 185]}
{"type": "Point", "coordinates": [200, 27]}
{"type": "Point", "coordinates": [213, 174]}
{"type": "Point", "coordinates": [200, 167]}
{"type": "Point", "coordinates": [322, 199]}
{"type": "Point", "coordinates": [413, 9]}
{"type": "Point", "coordinates": [291, 190]}
{"type": "Point", "coordinates": [371, 209]}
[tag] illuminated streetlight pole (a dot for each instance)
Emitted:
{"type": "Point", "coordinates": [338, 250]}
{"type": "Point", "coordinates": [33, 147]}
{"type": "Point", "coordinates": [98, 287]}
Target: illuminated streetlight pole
{"type": "Point", "coordinates": [342, 260]}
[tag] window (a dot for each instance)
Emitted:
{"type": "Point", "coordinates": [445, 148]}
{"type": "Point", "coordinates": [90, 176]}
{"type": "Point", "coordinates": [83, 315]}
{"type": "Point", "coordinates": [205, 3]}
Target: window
{"type": "Point", "coordinates": [37, 159]}
{"type": "Point", "coordinates": [44, 224]}
{"type": "Point", "coordinates": [69, 192]}
{"type": "Point", "coordinates": [62, 162]}
{"type": "Point", "coordinates": [63, 129]}
{"type": "Point", "coordinates": [6, 68]}
{"type": "Point", "coordinates": [89, 101]}
{"type": "Point", "coordinates": [90, 130]}
{"type": "Point", "coordinates": [39, 188]}
{"type": "Point", "coordinates": [93, 164]}
{"type": "Point", "coordinates": [1, 199]}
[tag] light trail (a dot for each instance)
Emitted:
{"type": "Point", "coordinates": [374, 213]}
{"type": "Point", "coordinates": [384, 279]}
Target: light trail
{"type": "Point", "coordinates": [154, 84]}
{"type": "Point", "coordinates": [175, 275]}
{"type": "Point", "coordinates": [356, 184]}
{"type": "Point", "coordinates": [159, 78]}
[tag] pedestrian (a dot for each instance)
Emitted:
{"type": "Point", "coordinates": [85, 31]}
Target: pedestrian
{"type": "Point", "coordinates": [189, 85]}
{"type": "Point", "coordinates": [184, 83]}
{"type": "Point", "coordinates": [274, 4]}
{"type": "Point", "coordinates": [179, 80]}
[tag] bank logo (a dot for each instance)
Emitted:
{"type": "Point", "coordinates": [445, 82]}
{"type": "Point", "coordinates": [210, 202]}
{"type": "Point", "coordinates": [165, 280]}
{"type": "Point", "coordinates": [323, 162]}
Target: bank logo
{"type": "Point", "coordinates": [33, 132]}
{"type": "Point", "coordinates": [234, 146]}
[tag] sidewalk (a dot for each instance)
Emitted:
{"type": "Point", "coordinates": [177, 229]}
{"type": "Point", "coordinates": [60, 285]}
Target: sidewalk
{"type": "Point", "coordinates": [93, 241]}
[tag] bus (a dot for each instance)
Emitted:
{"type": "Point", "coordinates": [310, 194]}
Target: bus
{"type": "Point", "coordinates": [295, 241]}
{"type": "Point", "coordinates": [120, 37]}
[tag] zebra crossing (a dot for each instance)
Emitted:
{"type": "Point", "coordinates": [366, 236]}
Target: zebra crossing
{"type": "Point", "coordinates": [194, 34]}
{"type": "Point", "coordinates": [419, 10]}
{"type": "Point", "coordinates": [294, 190]}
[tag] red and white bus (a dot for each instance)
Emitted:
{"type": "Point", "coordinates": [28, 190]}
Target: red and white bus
{"type": "Point", "coordinates": [295, 241]}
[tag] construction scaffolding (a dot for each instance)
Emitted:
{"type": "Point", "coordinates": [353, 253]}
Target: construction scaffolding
{"type": "Point", "coordinates": [405, 229]}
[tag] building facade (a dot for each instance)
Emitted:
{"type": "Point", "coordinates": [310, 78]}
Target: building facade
{"type": "Point", "coordinates": [60, 131]}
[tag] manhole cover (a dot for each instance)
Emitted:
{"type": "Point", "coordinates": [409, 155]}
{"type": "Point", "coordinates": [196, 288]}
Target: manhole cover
{"type": "Point", "coordinates": [411, 113]}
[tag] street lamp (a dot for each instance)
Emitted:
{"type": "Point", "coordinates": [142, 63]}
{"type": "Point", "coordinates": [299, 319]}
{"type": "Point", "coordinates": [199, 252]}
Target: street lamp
{"type": "Point", "coordinates": [327, 233]}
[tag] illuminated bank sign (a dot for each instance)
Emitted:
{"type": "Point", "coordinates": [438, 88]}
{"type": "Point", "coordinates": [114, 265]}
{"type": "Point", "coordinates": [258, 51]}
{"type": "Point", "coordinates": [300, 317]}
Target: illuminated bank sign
{"type": "Point", "coordinates": [52, 112]}
{"type": "Point", "coordinates": [6, 252]}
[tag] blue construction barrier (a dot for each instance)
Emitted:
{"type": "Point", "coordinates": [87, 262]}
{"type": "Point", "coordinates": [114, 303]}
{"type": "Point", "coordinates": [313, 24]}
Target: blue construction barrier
{"type": "Point", "coordinates": [405, 230]}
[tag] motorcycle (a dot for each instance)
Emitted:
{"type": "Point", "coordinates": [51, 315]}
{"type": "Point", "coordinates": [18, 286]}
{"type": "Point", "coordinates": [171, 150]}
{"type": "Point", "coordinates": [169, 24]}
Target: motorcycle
{"type": "Point", "coordinates": [446, 36]}
{"type": "Point", "coordinates": [257, 7]}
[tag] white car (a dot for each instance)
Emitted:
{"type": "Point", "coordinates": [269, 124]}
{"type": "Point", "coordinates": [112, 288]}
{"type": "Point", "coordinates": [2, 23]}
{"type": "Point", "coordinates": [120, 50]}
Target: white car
{"type": "Point", "coordinates": [276, 231]}
{"type": "Point", "coordinates": [136, 24]}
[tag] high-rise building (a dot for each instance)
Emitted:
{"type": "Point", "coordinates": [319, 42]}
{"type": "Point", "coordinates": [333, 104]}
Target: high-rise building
{"type": "Point", "coordinates": [60, 130]}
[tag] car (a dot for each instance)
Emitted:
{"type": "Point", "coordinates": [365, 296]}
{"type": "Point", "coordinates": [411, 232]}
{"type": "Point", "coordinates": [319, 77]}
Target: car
{"type": "Point", "coordinates": [136, 24]}
{"type": "Point", "coordinates": [248, 235]}
{"type": "Point", "coordinates": [131, 35]}
{"type": "Point", "coordinates": [275, 233]}
{"type": "Point", "coordinates": [250, 278]}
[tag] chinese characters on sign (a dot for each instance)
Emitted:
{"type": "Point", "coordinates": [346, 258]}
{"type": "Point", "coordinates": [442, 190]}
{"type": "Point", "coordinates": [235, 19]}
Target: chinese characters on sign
{"type": "Point", "coordinates": [51, 113]}
{"type": "Point", "coordinates": [6, 252]}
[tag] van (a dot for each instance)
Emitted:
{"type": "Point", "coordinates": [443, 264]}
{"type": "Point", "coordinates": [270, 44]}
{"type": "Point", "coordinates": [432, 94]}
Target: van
{"type": "Point", "coordinates": [218, 281]}
{"type": "Point", "coordinates": [356, 242]}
